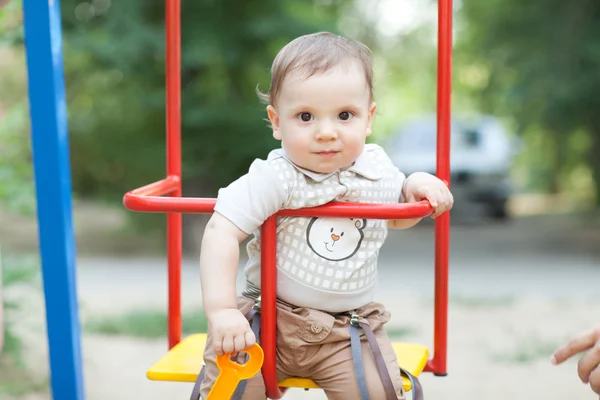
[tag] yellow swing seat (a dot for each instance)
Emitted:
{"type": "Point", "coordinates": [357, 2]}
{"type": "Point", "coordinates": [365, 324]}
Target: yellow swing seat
{"type": "Point", "coordinates": [183, 362]}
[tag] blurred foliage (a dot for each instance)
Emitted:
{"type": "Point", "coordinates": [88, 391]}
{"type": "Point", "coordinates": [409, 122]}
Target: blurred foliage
{"type": "Point", "coordinates": [16, 183]}
{"type": "Point", "coordinates": [537, 63]}
{"type": "Point", "coordinates": [115, 74]}
{"type": "Point", "coordinates": [145, 323]}
{"type": "Point", "coordinates": [16, 176]}
{"type": "Point", "coordinates": [15, 379]}
{"type": "Point", "coordinates": [11, 28]}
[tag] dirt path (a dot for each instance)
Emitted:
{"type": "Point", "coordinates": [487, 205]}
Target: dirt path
{"type": "Point", "coordinates": [498, 349]}
{"type": "Point", "coordinates": [517, 291]}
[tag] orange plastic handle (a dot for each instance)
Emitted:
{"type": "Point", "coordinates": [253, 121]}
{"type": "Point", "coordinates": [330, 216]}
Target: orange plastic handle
{"type": "Point", "coordinates": [232, 372]}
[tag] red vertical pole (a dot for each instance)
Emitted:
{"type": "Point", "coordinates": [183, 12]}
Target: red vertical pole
{"type": "Point", "coordinates": [173, 82]}
{"type": "Point", "coordinates": [442, 225]}
{"type": "Point", "coordinates": [268, 294]}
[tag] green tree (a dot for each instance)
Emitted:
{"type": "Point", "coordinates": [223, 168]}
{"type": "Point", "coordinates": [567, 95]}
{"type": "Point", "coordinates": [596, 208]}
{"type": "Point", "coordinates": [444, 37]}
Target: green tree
{"type": "Point", "coordinates": [537, 63]}
{"type": "Point", "coordinates": [16, 175]}
{"type": "Point", "coordinates": [115, 67]}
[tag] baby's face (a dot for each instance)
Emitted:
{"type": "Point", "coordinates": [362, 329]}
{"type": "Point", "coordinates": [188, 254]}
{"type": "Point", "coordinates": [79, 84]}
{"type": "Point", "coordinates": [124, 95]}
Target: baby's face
{"type": "Point", "coordinates": [323, 120]}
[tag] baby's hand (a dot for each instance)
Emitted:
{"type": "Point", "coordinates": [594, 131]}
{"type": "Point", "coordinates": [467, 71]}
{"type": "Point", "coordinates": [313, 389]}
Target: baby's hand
{"type": "Point", "coordinates": [422, 186]}
{"type": "Point", "coordinates": [231, 331]}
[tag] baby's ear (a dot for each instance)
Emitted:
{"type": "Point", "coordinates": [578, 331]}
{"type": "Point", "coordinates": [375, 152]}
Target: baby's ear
{"type": "Point", "coordinates": [372, 109]}
{"type": "Point", "coordinates": [274, 118]}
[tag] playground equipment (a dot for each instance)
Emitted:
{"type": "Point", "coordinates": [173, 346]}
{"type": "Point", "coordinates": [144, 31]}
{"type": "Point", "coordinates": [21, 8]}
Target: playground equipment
{"type": "Point", "coordinates": [183, 361]}
{"type": "Point", "coordinates": [43, 38]}
{"type": "Point", "coordinates": [50, 148]}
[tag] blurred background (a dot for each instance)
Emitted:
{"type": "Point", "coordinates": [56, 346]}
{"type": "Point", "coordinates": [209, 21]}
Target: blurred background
{"type": "Point", "coordinates": [525, 239]}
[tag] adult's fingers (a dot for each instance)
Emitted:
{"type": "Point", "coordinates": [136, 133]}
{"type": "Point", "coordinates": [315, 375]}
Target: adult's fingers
{"type": "Point", "coordinates": [595, 380]}
{"type": "Point", "coordinates": [576, 345]}
{"type": "Point", "coordinates": [588, 363]}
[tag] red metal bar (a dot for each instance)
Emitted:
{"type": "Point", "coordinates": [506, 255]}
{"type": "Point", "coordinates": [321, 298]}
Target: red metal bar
{"type": "Point", "coordinates": [363, 210]}
{"type": "Point", "coordinates": [442, 225]}
{"type": "Point", "coordinates": [158, 188]}
{"type": "Point", "coordinates": [268, 321]}
{"type": "Point", "coordinates": [148, 199]}
{"type": "Point", "coordinates": [174, 228]}
{"type": "Point", "coordinates": [152, 202]}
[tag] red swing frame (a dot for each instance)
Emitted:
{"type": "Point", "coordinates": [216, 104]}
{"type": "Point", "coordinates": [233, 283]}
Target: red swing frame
{"type": "Point", "coordinates": [165, 196]}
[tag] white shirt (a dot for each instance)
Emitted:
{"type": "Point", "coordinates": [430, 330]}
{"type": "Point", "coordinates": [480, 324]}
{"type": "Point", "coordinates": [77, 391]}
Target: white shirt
{"type": "Point", "coordinates": [328, 264]}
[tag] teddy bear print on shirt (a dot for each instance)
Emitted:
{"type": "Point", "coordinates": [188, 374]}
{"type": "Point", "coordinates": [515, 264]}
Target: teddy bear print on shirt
{"type": "Point", "coordinates": [335, 239]}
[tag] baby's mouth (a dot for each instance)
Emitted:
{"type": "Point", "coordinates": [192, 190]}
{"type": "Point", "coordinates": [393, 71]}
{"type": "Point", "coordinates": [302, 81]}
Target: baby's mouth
{"type": "Point", "coordinates": [327, 153]}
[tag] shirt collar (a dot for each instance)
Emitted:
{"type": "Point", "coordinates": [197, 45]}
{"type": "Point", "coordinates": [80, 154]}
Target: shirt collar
{"type": "Point", "coordinates": [362, 166]}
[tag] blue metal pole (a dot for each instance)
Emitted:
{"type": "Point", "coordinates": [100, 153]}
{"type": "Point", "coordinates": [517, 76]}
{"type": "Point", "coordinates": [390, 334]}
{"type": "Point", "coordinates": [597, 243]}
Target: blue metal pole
{"type": "Point", "coordinates": [48, 112]}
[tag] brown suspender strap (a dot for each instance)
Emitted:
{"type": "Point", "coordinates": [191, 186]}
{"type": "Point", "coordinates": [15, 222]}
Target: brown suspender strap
{"type": "Point", "coordinates": [417, 390]}
{"type": "Point", "coordinates": [384, 374]}
{"type": "Point", "coordinates": [357, 360]}
{"type": "Point", "coordinates": [382, 367]}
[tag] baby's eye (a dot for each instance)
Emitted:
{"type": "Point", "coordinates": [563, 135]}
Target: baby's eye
{"type": "Point", "coordinates": [345, 115]}
{"type": "Point", "coordinates": [305, 116]}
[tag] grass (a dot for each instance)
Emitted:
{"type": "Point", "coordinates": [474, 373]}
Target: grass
{"type": "Point", "coordinates": [399, 331]}
{"type": "Point", "coordinates": [22, 269]}
{"type": "Point", "coordinates": [12, 349]}
{"type": "Point", "coordinates": [152, 324]}
{"type": "Point", "coordinates": [482, 302]}
{"type": "Point", "coordinates": [147, 324]}
{"type": "Point", "coordinates": [528, 349]}
{"type": "Point", "coordinates": [14, 378]}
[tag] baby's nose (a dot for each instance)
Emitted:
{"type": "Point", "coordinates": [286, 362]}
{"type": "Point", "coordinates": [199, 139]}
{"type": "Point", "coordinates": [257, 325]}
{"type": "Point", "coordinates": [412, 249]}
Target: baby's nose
{"type": "Point", "coordinates": [335, 237]}
{"type": "Point", "coordinates": [326, 132]}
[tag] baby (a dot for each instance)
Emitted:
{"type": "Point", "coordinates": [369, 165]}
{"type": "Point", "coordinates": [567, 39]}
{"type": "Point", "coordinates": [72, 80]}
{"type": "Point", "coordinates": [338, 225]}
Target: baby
{"type": "Point", "coordinates": [320, 105]}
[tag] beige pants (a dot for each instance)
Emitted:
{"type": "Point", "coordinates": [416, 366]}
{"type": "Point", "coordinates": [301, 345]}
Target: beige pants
{"type": "Point", "coordinates": [316, 345]}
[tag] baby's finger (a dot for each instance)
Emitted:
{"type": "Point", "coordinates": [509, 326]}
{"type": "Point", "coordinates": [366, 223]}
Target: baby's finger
{"type": "Point", "coordinates": [250, 339]}
{"type": "Point", "coordinates": [448, 199]}
{"type": "Point", "coordinates": [443, 201]}
{"type": "Point", "coordinates": [228, 344]}
{"type": "Point", "coordinates": [574, 346]}
{"type": "Point", "coordinates": [432, 197]}
{"type": "Point", "coordinates": [440, 207]}
{"type": "Point", "coordinates": [239, 342]}
{"type": "Point", "coordinates": [218, 345]}
{"type": "Point", "coordinates": [588, 363]}
{"type": "Point", "coordinates": [437, 212]}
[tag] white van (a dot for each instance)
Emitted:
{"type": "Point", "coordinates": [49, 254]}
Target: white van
{"type": "Point", "coordinates": [482, 152]}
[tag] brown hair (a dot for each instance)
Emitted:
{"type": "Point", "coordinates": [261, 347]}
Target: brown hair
{"type": "Point", "coordinates": [313, 54]}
